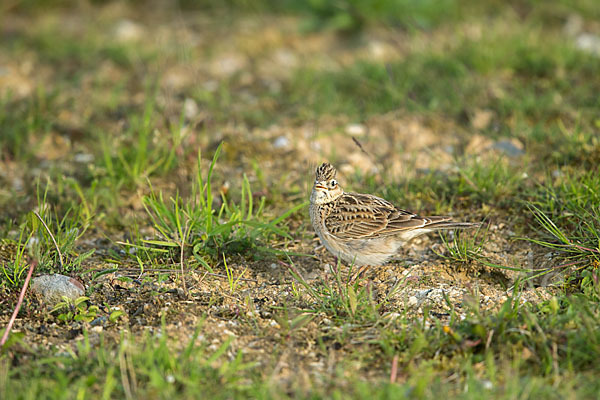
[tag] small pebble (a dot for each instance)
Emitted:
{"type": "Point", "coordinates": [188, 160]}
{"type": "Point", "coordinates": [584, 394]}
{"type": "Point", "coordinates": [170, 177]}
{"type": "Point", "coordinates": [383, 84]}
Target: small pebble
{"type": "Point", "coordinates": [355, 129]}
{"type": "Point", "coordinates": [83, 158]}
{"type": "Point", "coordinates": [281, 142]}
{"type": "Point", "coordinates": [97, 329]}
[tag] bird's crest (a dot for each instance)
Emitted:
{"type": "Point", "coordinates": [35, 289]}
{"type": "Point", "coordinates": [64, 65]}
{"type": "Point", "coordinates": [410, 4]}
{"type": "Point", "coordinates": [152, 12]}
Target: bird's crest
{"type": "Point", "coordinates": [325, 172]}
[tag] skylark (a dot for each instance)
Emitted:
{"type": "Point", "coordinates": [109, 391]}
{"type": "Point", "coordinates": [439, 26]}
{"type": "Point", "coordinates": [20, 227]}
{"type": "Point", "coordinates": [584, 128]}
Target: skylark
{"type": "Point", "coordinates": [363, 229]}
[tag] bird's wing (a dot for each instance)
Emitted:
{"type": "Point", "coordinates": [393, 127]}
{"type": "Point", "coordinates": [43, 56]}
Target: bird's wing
{"type": "Point", "coordinates": [363, 216]}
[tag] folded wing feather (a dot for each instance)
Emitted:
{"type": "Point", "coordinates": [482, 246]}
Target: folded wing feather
{"type": "Point", "coordinates": [362, 216]}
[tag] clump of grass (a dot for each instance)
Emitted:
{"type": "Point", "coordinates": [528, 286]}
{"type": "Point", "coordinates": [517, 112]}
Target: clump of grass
{"type": "Point", "coordinates": [231, 279]}
{"type": "Point", "coordinates": [575, 147]}
{"type": "Point", "coordinates": [12, 272]}
{"type": "Point", "coordinates": [464, 247]}
{"type": "Point", "coordinates": [49, 238]}
{"type": "Point", "coordinates": [139, 155]}
{"type": "Point", "coordinates": [568, 220]}
{"type": "Point", "coordinates": [21, 119]}
{"type": "Point", "coordinates": [56, 236]}
{"type": "Point", "coordinates": [493, 181]}
{"type": "Point", "coordinates": [194, 223]}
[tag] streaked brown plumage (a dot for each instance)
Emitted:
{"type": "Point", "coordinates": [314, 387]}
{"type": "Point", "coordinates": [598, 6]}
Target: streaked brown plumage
{"type": "Point", "coordinates": [361, 228]}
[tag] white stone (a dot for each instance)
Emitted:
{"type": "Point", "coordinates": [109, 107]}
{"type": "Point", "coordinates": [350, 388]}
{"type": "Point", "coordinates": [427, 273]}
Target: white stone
{"type": "Point", "coordinates": [589, 43]}
{"type": "Point", "coordinates": [53, 287]}
{"type": "Point", "coordinates": [281, 142]}
{"type": "Point", "coordinates": [355, 129]}
{"type": "Point", "coordinates": [127, 30]}
{"type": "Point", "coordinates": [190, 108]}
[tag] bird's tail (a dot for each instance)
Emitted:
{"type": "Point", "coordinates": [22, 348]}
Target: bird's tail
{"type": "Point", "coordinates": [447, 224]}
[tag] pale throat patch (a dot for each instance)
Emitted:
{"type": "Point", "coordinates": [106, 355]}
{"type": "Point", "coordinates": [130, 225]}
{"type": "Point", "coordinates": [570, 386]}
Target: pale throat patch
{"type": "Point", "coordinates": [319, 196]}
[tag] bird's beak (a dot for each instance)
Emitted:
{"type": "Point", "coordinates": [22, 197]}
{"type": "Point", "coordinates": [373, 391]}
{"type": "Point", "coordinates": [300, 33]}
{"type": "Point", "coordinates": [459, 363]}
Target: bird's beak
{"type": "Point", "coordinates": [317, 186]}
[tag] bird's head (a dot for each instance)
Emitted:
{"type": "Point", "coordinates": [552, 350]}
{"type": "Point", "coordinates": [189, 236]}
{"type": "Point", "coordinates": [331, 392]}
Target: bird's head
{"type": "Point", "coordinates": [326, 187]}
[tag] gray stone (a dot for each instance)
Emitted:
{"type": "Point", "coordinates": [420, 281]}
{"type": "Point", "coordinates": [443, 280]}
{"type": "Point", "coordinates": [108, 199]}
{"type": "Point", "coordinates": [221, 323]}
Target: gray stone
{"type": "Point", "coordinates": [509, 148]}
{"type": "Point", "coordinates": [99, 321]}
{"type": "Point", "coordinates": [52, 288]}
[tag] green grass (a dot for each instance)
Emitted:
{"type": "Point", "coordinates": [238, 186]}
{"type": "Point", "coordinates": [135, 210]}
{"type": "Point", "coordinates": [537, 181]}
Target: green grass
{"type": "Point", "coordinates": [471, 184]}
{"type": "Point", "coordinates": [528, 77]}
{"type": "Point", "coordinates": [141, 150]}
{"type": "Point", "coordinates": [13, 272]}
{"type": "Point", "coordinates": [158, 193]}
{"type": "Point", "coordinates": [141, 367]}
{"type": "Point", "coordinates": [461, 249]}
{"type": "Point", "coordinates": [451, 81]}
{"type": "Point", "coordinates": [21, 119]}
{"type": "Point", "coordinates": [530, 85]}
{"type": "Point", "coordinates": [567, 221]}
{"type": "Point", "coordinates": [518, 351]}
{"type": "Point", "coordinates": [194, 223]}
{"type": "Point", "coordinates": [344, 299]}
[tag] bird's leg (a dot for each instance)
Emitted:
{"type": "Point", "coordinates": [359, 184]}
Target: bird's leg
{"type": "Point", "coordinates": [335, 264]}
{"type": "Point", "coordinates": [358, 273]}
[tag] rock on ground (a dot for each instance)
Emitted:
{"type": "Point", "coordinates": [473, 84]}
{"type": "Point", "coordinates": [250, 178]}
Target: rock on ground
{"type": "Point", "coordinates": [52, 288]}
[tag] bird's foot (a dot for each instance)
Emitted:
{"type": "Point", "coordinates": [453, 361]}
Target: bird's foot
{"type": "Point", "coordinates": [357, 275]}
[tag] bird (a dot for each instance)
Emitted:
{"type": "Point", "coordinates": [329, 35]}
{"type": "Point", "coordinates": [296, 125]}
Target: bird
{"type": "Point", "coordinates": [363, 229]}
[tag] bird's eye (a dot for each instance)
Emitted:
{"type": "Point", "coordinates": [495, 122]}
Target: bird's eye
{"type": "Point", "coordinates": [333, 183]}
